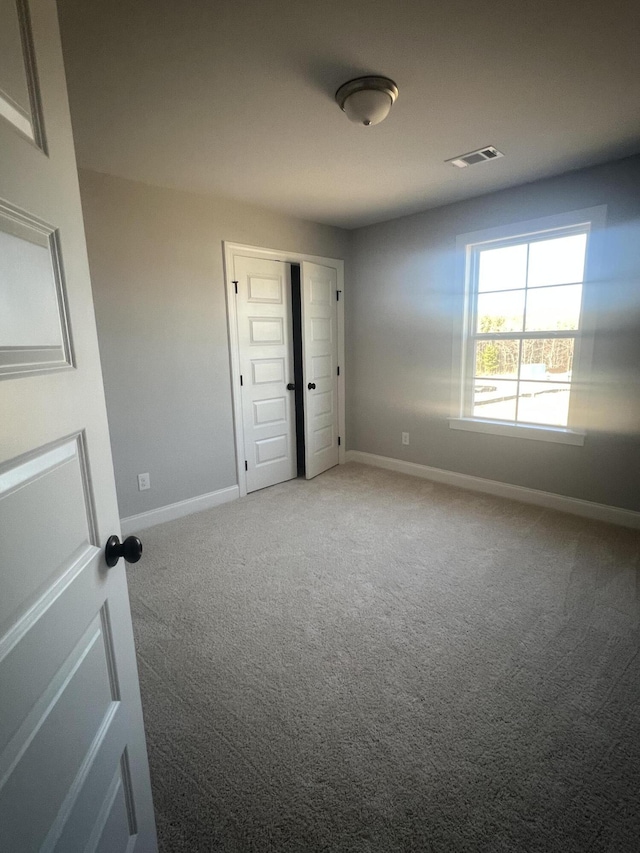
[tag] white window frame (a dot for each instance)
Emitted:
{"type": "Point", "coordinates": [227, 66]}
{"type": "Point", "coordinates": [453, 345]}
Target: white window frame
{"type": "Point", "coordinates": [592, 220]}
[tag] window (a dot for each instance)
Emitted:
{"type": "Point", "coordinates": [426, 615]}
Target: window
{"type": "Point", "coordinates": [523, 330]}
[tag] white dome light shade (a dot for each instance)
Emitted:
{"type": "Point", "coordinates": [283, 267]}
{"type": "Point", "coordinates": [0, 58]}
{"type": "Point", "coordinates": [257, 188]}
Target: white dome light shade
{"type": "Point", "coordinates": [367, 107]}
{"type": "Point", "coordinates": [367, 100]}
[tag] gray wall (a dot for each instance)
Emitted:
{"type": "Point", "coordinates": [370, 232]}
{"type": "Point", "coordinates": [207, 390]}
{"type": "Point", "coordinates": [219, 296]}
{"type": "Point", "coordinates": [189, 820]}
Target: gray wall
{"type": "Point", "coordinates": [156, 265]}
{"type": "Point", "coordinates": [157, 272]}
{"type": "Point", "coordinates": [402, 299]}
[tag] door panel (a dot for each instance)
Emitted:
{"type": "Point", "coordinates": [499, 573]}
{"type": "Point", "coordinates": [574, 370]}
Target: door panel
{"type": "Point", "coordinates": [51, 485]}
{"type": "Point", "coordinates": [52, 752]}
{"type": "Point", "coordinates": [73, 764]}
{"type": "Point", "coordinates": [33, 321]}
{"type": "Point", "coordinates": [265, 342]}
{"type": "Point", "coordinates": [19, 96]}
{"type": "Point", "coordinates": [88, 822]}
{"type": "Point", "coordinates": [320, 360]}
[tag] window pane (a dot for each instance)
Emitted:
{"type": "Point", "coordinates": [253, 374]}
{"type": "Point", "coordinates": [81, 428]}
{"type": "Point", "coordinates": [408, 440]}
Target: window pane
{"type": "Point", "coordinates": [503, 269]}
{"type": "Point", "coordinates": [553, 308]}
{"type": "Point", "coordinates": [557, 261]}
{"type": "Point", "coordinates": [497, 358]}
{"type": "Point", "coordinates": [547, 358]}
{"type": "Point", "coordinates": [500, 312]}
{"type": "Point", "coordinates": [544, 403]}
{"type": "Point", "coordinates": [494, 399]}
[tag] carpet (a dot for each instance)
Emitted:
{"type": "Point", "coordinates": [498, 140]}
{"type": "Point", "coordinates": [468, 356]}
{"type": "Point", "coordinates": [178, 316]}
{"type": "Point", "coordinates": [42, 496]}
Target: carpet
{"type": "Point", "coordinates": [372, 662]}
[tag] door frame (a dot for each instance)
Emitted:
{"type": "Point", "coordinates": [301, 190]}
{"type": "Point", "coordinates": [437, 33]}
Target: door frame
{"type": "Point", "coordinates": [229, 250]}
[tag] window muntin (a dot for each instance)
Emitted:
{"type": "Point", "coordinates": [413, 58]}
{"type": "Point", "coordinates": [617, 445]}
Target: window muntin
{"type": "Point", "coordinates": [524, 323]}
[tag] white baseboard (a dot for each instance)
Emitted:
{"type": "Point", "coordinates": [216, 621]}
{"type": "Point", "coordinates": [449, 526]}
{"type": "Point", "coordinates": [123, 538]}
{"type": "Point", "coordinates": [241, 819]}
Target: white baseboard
{"type": "Point", "coordinates": [548, 500]}
{"type": "Point", "coordinates": [177, 510]}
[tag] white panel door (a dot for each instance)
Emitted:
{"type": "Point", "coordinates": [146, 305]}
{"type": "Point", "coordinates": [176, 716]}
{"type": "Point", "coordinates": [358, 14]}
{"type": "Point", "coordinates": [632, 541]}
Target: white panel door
{"type": "Point", "coordinates": [320, 364]}
{"type": "Point", "coordinates": [265, 342]}
{"type": "Point", "coordinates": [73, 763]}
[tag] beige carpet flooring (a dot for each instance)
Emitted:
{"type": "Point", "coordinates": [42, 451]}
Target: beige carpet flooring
{"type": "Point", "coordinates": [372, 662]}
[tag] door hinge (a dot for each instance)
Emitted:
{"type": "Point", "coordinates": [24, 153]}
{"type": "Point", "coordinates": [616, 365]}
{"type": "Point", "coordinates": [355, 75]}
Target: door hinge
{"type": "Point", "coordinates": [241, 380]}
{"type": "Point", "coordinates": [339, 441]}
{"type": "Point", "coordinates": [235, 284]}
{"type": "Point", "coordinates": [246, 465]}
{"type": "Point", "coordinates": [338, 373]}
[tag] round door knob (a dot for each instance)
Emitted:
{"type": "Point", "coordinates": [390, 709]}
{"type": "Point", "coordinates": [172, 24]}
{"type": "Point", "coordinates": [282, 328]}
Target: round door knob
{"type": "Point", "coordinates": [291, 387]}
{"type": "Point", "coordinates": [311, 386]}
{"type": "Point", "coordinates": [130, 549]}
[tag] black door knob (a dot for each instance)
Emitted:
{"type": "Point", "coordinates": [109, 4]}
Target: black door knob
{"type": "Point", "coordinates": [291, 387]}
{"type": "Point", "coordinates": [130, 549]}
{"type": "Point", "coordinates": [311, 386]}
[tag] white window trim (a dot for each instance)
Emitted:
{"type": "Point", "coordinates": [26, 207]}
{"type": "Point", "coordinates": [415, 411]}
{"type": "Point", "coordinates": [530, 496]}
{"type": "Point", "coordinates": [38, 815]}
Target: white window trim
{"type": "Point", "coordinates": [576, 432]}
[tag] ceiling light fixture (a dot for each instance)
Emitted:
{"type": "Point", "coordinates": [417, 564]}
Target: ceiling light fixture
{"type": "Point", "coordinates": [367, 100]}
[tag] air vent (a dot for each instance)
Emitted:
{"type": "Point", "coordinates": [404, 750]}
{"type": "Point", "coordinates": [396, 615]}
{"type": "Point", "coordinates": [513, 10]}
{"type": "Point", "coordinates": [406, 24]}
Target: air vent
{"type": "Point", "coordinates": [473, 157]}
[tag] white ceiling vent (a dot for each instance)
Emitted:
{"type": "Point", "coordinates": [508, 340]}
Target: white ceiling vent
{"type": "Point", "coordinates": [473, 157]}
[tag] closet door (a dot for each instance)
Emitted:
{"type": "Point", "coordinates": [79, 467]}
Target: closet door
{"type": "Point", "coordinates": [320, 366]}
{"type": "Point", "coordinates": [265, 343]}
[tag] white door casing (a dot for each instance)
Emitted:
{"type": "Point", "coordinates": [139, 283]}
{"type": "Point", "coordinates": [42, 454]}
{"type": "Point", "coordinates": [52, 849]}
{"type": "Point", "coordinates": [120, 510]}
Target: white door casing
{"type": "Point", "coordinates": [284, 257]}
{"type": "Point", "coordinates": [73, 763]}
{"type": "Point", "coordinates": [265, 337]}
{"type": "Point", "coordinates": [320, 363]}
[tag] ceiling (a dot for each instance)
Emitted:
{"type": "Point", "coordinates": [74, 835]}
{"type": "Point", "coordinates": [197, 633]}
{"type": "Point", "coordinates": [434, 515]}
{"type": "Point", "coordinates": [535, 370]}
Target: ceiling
{"type": "Point", "coordinates": [236, 98]}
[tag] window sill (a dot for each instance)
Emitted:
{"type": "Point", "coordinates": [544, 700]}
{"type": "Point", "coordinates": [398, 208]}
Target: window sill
{"type": "Point", "coordinates": [558, 435]}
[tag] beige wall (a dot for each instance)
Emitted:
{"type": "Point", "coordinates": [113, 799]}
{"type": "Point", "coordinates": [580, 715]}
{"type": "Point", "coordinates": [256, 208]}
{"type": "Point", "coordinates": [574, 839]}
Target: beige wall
{"type": "Point", "coordinates": [402, 302]}
{"type": "Point", "coordinates": [157, 272]}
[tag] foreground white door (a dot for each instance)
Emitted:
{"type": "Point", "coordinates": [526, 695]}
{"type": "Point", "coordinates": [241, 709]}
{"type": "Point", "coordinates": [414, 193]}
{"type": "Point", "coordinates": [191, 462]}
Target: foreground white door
{"type": "Point", "coordinates": [265, 344]}
{"type": "Point", "coordinates": [320, 364]}
{"type": "Point", "coordinates": [73, 764]}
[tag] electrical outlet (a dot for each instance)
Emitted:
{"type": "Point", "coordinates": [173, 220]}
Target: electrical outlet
{"type": "Point", "coordinates": [405, 438]}
{"type": "Point", "coordinates": [144, 482]}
